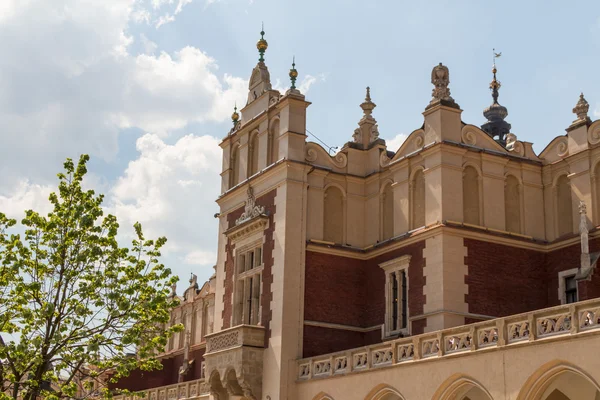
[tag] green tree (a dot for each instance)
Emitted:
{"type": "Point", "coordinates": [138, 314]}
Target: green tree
{"type": "Point", "coordinates": [74, 305]}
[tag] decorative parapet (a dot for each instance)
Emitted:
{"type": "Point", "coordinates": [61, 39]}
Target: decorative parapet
{"type": "Point", "coordinates": [241, 335]}
{"type": "Point", "coordinates": [188, 390]}
{"type": "Point", "coordinates": [556, 323]}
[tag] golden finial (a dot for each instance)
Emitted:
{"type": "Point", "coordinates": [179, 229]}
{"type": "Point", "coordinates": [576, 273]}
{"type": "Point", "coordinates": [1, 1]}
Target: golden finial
{"type": "Point", "coordinates": [262, 44]}
{"type": "Point", "coordinates": [293, 73]}
{"type": "Point", "coordinates": [235, 116]}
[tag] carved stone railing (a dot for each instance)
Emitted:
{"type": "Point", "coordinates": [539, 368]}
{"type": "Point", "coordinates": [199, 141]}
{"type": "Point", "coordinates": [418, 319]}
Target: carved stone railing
{"type": "Point", "coordinates": [188, 390]}
{"type": "Point", "coordinates": [556, 323]}
{"type": "Point", "coordinates": [241, 335]}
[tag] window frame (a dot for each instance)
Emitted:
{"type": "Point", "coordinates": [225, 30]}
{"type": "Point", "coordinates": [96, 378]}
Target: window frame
{"type": "Point", "coordinates": [242, 278]}
{"type": "Point", "coordinates": [395, 268]}
{"type": "Point", "coordinates": [562, 284]}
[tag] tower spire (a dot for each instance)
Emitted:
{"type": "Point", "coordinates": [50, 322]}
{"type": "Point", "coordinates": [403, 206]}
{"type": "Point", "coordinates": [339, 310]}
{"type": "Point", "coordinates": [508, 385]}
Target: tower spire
{"type": "Point", "coordinates": [496, 126]}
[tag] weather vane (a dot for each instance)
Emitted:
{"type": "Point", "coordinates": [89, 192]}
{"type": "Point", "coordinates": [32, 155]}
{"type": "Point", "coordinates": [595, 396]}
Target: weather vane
{"type": "Point", "coordinates": [496, 55]}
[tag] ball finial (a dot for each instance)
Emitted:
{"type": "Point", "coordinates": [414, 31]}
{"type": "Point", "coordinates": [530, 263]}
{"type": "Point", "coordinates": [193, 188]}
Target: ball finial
{"type": "Point", "coordinates": [235, 117]}
{"type": "Point", "coordinates": [262, 45]}
{"type": "Point", "coordinates": [293, 73]}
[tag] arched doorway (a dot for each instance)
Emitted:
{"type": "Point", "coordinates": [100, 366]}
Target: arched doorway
{"type": "Point", "coordinates": [461, 387]}
{"type": "Point", "coordinates": [384, 392]}
{"type": "Point", "coordinates": [560, 380]}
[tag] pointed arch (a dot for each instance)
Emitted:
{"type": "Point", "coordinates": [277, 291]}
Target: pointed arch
{"type": "Point", "coordinates": [417, 198]}
{"type": "Point", "coordinates": [386, 208]}
{"type": "Point", "coordinates": [274, 140]}
{"type": "Point", "coordinates": [234, 165]}
{"type": "Point", "coordinates": [322, 396]}
{"type": "Point", "coordinates": [472, 195]}
{"type": "Point", "coordinates": [460, 387]}
{"type": "Point", "coordinates": [334, 214]}
{"type": "Point", "coordinates": [253, 153]}
{"type": "Point", "coordinates": [563, 205]}
{"type": "Point", "coordinates": [512, 204]}
{"type": "Point", "coordinates": [384, 392]}
{"type": "Point", "coordinates": [539, 386]}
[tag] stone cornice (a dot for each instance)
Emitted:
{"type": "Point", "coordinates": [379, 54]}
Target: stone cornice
{"type": "Point", "coordinates": [247, 228]}
{"type": "Point", "coordinates": [450, 228]}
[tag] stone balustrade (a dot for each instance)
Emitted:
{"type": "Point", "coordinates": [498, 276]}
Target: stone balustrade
{"type": "Point", "coordinates": [241, 335]}
{"type": "Point", "coordinates": [556, 323]}
{"type": "Point", "coordinates": [197, 389]}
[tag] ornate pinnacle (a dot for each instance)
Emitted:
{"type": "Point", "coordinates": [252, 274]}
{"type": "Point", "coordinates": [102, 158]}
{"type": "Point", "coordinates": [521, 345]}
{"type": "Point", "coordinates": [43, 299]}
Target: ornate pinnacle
{"type": "Point", "coordinates": [581, 108]}
{"type": "Point", "coordinates": [293, 73]}
{"type": "Point", "coordinates": [262, 45]}
{"type": "Point", "coordinates": [235, 116]}
{"type": "Point", "coordinates": [368, 105]}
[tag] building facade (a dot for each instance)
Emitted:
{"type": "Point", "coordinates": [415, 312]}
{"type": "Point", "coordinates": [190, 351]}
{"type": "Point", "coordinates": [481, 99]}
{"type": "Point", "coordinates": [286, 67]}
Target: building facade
{"type": "Point", "coordinates": [459, 266]}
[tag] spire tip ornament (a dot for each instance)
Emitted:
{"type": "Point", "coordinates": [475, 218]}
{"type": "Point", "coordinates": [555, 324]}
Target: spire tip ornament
{"type": "Point", "coordinates": [495, 114]}
{"type": "Point", "coordinates": [293, 73]}
{"type": "Point", "coordinates": [262, 44]}
{"type": "Point", "coordinates": [235, 116]}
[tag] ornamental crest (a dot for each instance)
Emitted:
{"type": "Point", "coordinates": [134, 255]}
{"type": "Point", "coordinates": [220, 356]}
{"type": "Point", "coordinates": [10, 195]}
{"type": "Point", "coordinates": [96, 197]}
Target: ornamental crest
{"type": "Point", "coordinates": [440, 78]}
{"type": "Point", "coordinates": [251, 210]}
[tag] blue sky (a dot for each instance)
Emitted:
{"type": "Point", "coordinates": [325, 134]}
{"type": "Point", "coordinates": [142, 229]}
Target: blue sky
{"type": "Point", "coordinates": [146, 88]}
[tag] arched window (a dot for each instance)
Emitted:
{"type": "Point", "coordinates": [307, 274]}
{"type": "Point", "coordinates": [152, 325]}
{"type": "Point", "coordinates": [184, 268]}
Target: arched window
{"type": "Point", "coordinates": [253, 155]}
{"type": "Point", "coordinates": [512, 204]}
{"type": "Point", "coordinates": [596, 186]}
{"type": "Point", "coordinates": [274, 136]}
{"type": "Point", "coordinates": [235, 166]}
{"type": "Point", "coordinates": [471, 212]}
{"type": "Point", "coordinates": [204, 322]}
{"type": "Point", "coordinates": [418, 200]}
{"type": "Point", "coordinates": [564, 207]}
{"type": "Point", "coordinates": [333, 215]}
{"type": "Point", "coordinates": [387, 212]}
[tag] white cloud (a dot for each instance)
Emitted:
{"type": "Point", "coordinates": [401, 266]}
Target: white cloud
{"type": "Point", "coordinates": [170, 190]}
{"type": "Point", "coordinates": [200, 257]}
{"type": "Point", "coordinates": [74, 86]}
{"type": "Point", "coordinates": [164, 19]}
{"type": "Point", "coordinates": [26, 196]}
{"type": "Point", "coordinates": [395, 143]}
{"type": "Point", "coordinates": [303, 86]}
{"type": "Point", "coordinates": [148, 45]}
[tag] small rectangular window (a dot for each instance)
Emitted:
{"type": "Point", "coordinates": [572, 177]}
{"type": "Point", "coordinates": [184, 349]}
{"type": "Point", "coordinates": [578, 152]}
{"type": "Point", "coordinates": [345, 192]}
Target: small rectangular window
{"type": "Point", "coordinates": [570, 290]}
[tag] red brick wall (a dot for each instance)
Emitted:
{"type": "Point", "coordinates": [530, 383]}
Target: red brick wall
{"type": "Point", "coordinates": [168, 375]}
{"type": "Point", "coordinates": [335, 290]}
{"type": "Point", "coordinates": [568, 258]}
{"type": "Point", "coordinates": [326, 340]}
{"type": "Point", "coordinates": [503, 280]}
{"type": "Point", "coordinates": [268, 201]}
{"type": "Point", "coordinates": [347, 291]}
